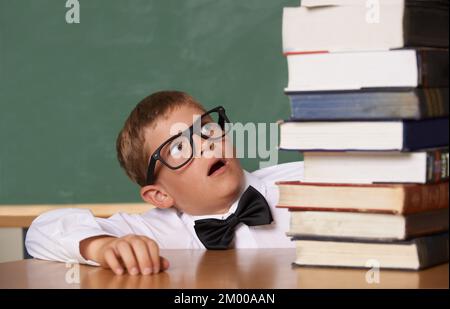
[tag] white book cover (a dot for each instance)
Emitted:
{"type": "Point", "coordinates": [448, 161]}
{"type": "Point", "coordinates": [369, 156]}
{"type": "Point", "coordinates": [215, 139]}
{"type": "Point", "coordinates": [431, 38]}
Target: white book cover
{"type": "Point", "coordinates": [340, 25]}
{"type": "Point", "coordinates": [352, 70]}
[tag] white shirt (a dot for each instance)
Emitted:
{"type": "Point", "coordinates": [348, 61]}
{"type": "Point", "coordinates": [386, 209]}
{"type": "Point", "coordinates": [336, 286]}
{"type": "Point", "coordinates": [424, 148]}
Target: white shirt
{"type": "Point", "coordinates": [55, 235]}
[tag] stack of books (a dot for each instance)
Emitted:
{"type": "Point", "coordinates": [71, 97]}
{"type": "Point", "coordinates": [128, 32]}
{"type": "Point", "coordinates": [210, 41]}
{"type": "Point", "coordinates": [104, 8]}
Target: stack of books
{"type": "Point", "coordinates": [368, 88]}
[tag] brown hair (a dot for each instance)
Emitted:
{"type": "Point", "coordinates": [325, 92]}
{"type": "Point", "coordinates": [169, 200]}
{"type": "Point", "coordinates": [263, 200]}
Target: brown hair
{"type": "Point", "coordinates": [131, 141]}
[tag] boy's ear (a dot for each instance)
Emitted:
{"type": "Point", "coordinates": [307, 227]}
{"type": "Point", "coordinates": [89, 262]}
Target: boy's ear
{"type": "Point", "coordinates": [157, 196]}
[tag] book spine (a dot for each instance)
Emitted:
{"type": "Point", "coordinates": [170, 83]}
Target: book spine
{"type": "Point", "coordinates": [432, 250]}
{"type": "Point", "coordinates": [437, 166]}
{"type": "Point", "coordinates": [433, 68]}
{"type": "Point", "coordinates": [425, 134]}
{"type": "Point", "coordinates": [369, 104]}
{"type": "Point", "coordinates": [434, 102]}
{"type": "Point", "coordinates": [425, 198]}
{"type": "Point", "coordinates": [426, 26]}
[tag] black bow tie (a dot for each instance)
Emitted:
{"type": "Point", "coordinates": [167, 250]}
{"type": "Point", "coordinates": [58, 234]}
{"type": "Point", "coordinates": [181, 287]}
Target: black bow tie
{"type": "Point", "coordinates": [252, 210]}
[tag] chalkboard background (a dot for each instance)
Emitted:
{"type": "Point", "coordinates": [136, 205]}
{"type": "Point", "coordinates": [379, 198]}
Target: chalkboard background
{"type": "Point", "coordinates": [65, 89]}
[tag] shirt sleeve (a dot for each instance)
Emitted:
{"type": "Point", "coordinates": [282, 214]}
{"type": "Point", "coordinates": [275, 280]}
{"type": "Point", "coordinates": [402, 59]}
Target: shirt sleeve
{"type": "Point", "coordinates": [292, 171]}
{"type": "Point", "coordinates": [56, 235]}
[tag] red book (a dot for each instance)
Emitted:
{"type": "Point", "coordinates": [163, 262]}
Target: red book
{"type": "Point", "coordinates": [375, 198]}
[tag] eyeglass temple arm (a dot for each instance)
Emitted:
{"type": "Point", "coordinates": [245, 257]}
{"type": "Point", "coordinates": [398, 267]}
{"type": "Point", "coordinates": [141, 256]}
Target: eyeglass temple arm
{"type": "Point", "coordinates": [151, 172]}
{"type": "Point", "coordinates": [222, 118]}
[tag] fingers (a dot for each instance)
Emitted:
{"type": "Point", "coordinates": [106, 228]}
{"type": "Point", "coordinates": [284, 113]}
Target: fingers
{"type": "Point", "coordinates": [143, 256]}
{"type": "Point", "coordinates": [113, 262]}
{"type": "Point", "coordinates": [136, 255]}
{"type": "Point", "coordinates": [153, 249]}
{"type": "Point", "coordinates": [126, 253]}
{"type": "Point", "coordinates": [164, 263]}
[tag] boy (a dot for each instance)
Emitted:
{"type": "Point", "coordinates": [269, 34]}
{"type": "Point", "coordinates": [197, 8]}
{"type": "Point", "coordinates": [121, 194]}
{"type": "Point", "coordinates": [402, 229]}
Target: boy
{"type": "Point", "coordinates": [203, 198]}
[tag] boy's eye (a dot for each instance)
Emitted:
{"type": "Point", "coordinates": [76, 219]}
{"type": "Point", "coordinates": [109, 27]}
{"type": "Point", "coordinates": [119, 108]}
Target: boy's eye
{"type": "Point", "coordinates": [211, 129]}
{"type": "Point", "coordinates": [176, 149]}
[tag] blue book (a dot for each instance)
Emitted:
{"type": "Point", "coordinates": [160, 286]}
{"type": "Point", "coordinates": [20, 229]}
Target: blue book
{"type": "Point", "coordinates": [397, 135]}
{"type": "Point", "coordinates": [370, 104]}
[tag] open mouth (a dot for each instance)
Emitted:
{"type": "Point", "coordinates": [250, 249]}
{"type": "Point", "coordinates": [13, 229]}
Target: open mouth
{"type": "Point", "coordinates": [217, 167]}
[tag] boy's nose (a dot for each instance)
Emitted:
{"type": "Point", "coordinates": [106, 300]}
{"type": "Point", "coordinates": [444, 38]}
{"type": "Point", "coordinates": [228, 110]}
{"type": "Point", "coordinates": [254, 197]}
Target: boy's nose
{"type": "Point", "coordinates": [205, 145]}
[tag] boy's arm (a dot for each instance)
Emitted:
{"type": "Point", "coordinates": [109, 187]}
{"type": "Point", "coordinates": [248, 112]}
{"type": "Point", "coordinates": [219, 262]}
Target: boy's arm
{"type": "Point", "coordinates": [59, 235]}
{"type": "Point", "coordinates": [55, 235]}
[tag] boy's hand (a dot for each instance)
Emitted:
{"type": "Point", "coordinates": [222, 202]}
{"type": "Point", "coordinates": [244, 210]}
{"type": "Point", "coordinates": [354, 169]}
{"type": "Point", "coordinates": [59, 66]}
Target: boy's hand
{"type": "Point", "coordinates": [136, 254]}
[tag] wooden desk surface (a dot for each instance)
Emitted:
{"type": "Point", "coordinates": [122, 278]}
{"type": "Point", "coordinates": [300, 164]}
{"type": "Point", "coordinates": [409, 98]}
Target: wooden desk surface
{"type": "Point", "coordinates": [249, 268]}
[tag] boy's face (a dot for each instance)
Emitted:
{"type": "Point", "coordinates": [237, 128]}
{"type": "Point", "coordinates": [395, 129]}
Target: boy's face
{"type": "Point", "coordinates": [208, 184]}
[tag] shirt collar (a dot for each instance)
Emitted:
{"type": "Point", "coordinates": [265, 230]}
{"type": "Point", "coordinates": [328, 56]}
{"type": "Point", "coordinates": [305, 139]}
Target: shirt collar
{"type": "Point", "coordinates": [250, 180]}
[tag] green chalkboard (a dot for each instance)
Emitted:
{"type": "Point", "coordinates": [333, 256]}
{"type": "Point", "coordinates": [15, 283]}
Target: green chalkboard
{"type": "Point", "coordinates": [65, 89]}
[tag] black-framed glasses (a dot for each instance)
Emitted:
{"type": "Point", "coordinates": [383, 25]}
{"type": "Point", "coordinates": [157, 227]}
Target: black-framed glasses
{"type": "Point", "coordinates": [178, 150]}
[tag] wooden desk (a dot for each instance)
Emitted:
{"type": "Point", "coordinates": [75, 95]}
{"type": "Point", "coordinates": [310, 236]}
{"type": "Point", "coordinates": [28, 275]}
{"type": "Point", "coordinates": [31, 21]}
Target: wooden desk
{"type": "Point", "coordinates": [250, 268]}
